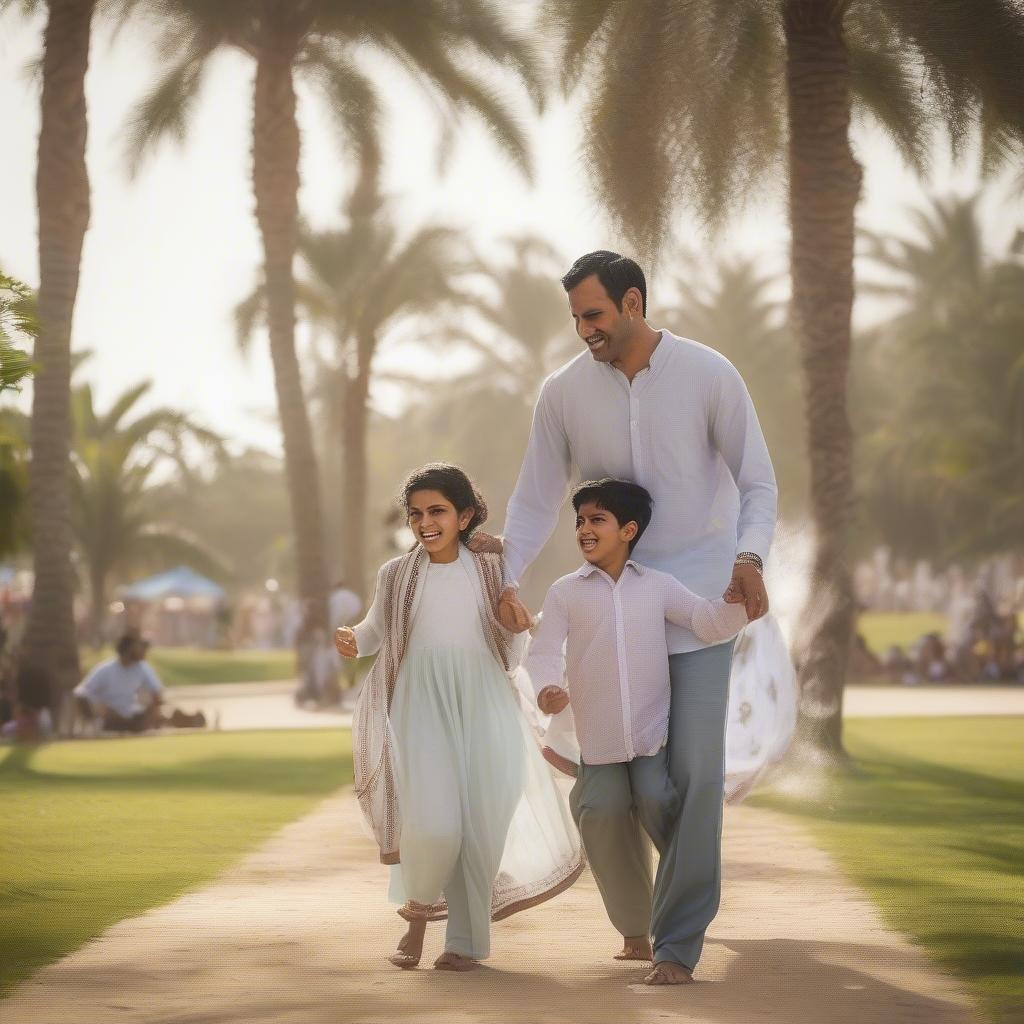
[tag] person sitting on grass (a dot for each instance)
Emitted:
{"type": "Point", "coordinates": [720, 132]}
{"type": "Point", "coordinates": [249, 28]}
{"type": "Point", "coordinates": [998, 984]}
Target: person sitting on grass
{"type": "Point", "coordinates": [125, 694]}
{"type": "Point", "coordinates": [601, 648]}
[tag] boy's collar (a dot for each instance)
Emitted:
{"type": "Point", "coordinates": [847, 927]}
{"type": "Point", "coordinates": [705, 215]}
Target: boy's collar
{"type": "Point", "coordinates": [588, 568]}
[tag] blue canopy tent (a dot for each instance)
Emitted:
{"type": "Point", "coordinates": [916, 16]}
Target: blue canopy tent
{"type": "Point", "coordinates": [177, 608]}
{"type": "Point", "coordinates": [180, 582]}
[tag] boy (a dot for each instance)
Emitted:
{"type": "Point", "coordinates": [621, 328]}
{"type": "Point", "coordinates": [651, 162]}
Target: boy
{"type": "Point", "coordinates": [609, 616]}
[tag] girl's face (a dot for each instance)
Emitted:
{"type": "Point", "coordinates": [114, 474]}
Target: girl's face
{"type": "Point", "coordinates": [436, 524]}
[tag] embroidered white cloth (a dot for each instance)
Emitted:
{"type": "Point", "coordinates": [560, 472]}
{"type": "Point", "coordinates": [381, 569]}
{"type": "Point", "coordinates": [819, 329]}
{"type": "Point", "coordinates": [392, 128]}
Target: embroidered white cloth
{"type": "Point", "coordinates": [615, 661]}
{"type": "Point", "coordinates": [542, 853]}
{"type": "Point", "coordinates": [686, 430]}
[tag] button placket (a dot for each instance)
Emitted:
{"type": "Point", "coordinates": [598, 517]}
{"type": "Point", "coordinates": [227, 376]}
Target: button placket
{"type": "Point", "coordinates": [620, 644]}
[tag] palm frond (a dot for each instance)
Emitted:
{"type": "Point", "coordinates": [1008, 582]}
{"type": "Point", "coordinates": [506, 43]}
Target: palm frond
{"type": "Point", "coordinates": [352, 99]}
{"type": "Point", "coordinates": [885, 82]}
{"type": "Point", "coordinates": [166, 109]}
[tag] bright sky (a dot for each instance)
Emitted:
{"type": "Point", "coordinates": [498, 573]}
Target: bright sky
{"type": "Point", "coordinates": [169, 254]}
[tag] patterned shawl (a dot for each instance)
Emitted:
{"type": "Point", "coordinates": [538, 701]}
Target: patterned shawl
{"type": "Point", "coordinates": [558, 860]}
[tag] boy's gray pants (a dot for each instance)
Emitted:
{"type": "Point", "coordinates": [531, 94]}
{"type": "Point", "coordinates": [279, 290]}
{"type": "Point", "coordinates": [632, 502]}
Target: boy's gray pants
{"type": "Point", "coordinates": [687, 885]}
{"type": "Point", "coordinates": [608, 802]}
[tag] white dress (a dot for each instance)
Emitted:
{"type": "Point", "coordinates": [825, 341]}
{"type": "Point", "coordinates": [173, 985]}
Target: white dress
{"type": "Point", "coordinates": [464, 754]}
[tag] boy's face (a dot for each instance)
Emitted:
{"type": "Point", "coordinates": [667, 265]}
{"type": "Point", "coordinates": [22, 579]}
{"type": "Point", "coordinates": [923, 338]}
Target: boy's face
{"type": "Point", "coordinates": [600, 537]}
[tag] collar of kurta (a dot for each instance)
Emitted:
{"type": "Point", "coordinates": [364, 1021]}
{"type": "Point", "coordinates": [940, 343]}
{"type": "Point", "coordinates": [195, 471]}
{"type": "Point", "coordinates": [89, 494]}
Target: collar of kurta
{"type": "Point", "coordinates": [587, 569]}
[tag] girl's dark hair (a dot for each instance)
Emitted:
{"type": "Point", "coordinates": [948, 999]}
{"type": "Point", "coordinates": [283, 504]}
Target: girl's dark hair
{"type": "Point", "coordinates": [455, 485]}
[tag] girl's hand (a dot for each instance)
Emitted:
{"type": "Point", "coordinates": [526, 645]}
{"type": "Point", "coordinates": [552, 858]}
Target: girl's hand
{"type": "Point", "coordinates": [552, 699]}
{"type": "Point", "coordinates": [345, 642]}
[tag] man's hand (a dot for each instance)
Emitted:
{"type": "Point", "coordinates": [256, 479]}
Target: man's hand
{"type": "Point", "coordinates": [486, 544]}
{"type": "Point", "coordinates": [345, 642]}
{"type": "Point", "coordinates": [512, 613]}
{"type": "Point", "coordinates": [747, 587]}
{"type": "Point", "coordinates": [552, 699]}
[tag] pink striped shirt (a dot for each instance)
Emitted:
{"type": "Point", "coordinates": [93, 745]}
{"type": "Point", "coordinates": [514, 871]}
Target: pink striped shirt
{"type": "Point", "coordinates": [605, 642]}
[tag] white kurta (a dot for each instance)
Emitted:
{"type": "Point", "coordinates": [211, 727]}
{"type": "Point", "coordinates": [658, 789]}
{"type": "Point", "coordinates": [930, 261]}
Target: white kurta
{"type": "Point", "coordinates": [462, 749]}
{"type": "Point", "coordinates": [685, 429]}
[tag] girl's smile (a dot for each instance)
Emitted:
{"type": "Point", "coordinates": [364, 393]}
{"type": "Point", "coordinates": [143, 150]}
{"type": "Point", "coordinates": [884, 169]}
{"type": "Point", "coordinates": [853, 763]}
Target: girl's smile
{"type": "Point", "coordinates": [436, 523]}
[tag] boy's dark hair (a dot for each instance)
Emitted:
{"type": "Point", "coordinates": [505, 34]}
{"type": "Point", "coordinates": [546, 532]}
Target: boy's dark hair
{"type": "Point", "coordinates": [455, 485]}
{"type": "Point", "coordinates": [616, 273]}
{"type": "Point", "coordinates": [628, 502]}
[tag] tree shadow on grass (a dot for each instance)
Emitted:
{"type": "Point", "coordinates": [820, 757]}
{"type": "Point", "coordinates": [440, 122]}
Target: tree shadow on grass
{"type": "Point", "coordinates": [272, 775]}
{"type": "Point", "coordinates": [915, 792]}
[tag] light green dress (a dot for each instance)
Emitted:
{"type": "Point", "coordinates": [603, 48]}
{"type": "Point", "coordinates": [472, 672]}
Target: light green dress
{"type": "Point", "coordinates": [462, 749]}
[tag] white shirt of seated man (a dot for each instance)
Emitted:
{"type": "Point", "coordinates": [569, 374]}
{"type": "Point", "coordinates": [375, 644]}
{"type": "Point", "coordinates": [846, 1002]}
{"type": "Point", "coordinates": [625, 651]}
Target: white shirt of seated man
{"type": "Point", "coordinates": [120, 683]}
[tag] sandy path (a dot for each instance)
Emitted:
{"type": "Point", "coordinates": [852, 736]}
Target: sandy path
{"type": "Point", "coordinates": [297, 932]}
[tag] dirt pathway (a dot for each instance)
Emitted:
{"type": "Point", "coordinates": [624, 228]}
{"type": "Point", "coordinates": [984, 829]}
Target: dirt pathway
{"type": "Point", "coordinates": [298, 932]}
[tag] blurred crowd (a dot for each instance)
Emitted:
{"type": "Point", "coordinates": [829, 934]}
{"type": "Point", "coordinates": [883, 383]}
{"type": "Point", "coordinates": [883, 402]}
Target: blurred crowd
{"type": "Point", "coordinates": [991, 650]}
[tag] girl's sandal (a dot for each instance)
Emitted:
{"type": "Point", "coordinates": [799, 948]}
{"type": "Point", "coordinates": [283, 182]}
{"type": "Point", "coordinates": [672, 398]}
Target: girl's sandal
{"type": "Point", "coordinates": [453, 962]}
{"type": "Point", "coordinates": [407, 961]}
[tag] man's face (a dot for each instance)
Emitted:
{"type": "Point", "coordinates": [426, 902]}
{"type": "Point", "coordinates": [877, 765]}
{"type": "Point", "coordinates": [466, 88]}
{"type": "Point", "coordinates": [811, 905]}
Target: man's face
{"type": "Point", "coordinates": [605, 329]}
{"type": "Point", "coordinates": [137, 650]}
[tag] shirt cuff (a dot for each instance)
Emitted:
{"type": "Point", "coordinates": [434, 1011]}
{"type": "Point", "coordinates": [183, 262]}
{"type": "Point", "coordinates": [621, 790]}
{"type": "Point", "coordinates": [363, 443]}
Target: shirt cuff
{"type": "Point", "coordinates": [755, 541]}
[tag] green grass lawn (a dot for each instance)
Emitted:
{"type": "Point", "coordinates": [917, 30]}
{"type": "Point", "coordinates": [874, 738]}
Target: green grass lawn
{"type": "Point", "coordinates": [181, 665]}
{"type": "Point", "coordinates": [933, 827]}
{"type": "Point", "coordinates": [94, 832]}
{"type": "Point", "coordinates": [883, 629]}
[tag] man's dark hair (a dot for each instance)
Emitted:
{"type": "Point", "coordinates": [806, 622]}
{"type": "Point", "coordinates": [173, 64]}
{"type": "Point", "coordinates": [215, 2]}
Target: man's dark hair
{"type": "Point", "coordinates": [628, 502]}
{"type": "Point", "coordinates": [615, 272]}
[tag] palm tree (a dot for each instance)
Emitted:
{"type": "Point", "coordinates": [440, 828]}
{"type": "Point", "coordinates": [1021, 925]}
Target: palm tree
{"type": "Point", "coordinates": [435, 40]}
{"type": "Point", "coordinates": [358, 283]}
{"type": "Point", "coordinates": [117, 518]}
{"type": "Point", "coordinates": [117, 513]}
{"type": "Point", "coordinates": [696, 102]}
{"type": "Point", "coordinates": [19, 321]}
{"type": "Point", "coordinates": [525, 333]}
{"type": "Point", "coordinates": [944, 473]}
{"type": "Point", "coordinates": [734, 303]}
{"type": "Point", "coordinates": [62, 192]}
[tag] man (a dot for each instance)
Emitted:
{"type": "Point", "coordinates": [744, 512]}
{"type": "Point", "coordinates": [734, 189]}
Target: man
{"type": "Point", "coordinates": [675, 417]}
{"type": "Point", "coordinates": [114, 689]}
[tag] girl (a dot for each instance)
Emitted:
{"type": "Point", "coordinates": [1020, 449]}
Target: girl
{"type": "Point", "coordinates": [447, 771]}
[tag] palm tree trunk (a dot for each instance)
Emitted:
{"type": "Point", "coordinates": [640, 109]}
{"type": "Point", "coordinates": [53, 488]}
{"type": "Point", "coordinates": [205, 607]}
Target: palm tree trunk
{"type": "Point", "coordinates": [824, 186]}
{"type": "Point", "coordinates": [355, 479]}
{"type": "Point", "coordinates": [98, 601]}
{"type": "Point", "coordinates": [276, 184]}
{"type": "Point", "coordinates": [50, 644]}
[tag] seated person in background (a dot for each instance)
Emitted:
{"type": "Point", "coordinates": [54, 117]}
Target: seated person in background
{"type": "Point", "coordinates": [125, 693]}
{"type": "Point", "coordinates": [898, 667]}
{"type": "Point", "coordinates": [864, 661]}
{"type": "Point", "coordinates": [932, 665]}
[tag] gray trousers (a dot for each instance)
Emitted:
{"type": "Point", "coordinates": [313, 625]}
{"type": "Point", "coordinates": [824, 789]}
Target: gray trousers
{"type": "Point", "coordinates": [687, 886]}
{"type": "Point", "coordinates": [608, 802]}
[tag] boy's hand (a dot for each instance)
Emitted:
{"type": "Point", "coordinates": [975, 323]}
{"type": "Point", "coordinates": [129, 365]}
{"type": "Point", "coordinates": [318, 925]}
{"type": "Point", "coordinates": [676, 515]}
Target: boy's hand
{"type": "Point", "coordinates": [345, 642]}
{"type": "Point", "coordinates": [747, 587]}
{"type": "Point", "coordinates": [552, 699]}
{"type": "Point", "coordinates": [512, 613]}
